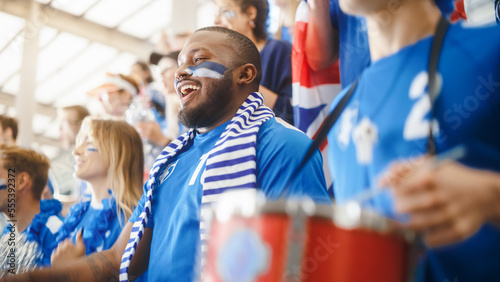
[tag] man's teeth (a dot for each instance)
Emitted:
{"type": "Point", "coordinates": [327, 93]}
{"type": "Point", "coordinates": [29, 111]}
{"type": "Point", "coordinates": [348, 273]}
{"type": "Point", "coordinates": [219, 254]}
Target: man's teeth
{"type": "Point", "coordinates": [187, 88]}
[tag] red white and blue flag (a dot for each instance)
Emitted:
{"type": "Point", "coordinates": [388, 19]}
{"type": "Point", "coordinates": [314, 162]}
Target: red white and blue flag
{"type": "Point", "coordinates": [313, 91]}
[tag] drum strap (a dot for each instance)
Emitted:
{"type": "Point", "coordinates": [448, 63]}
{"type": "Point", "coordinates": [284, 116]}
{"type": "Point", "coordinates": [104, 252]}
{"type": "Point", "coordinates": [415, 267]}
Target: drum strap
{"type": "Point", "coordinates": [432, 71]}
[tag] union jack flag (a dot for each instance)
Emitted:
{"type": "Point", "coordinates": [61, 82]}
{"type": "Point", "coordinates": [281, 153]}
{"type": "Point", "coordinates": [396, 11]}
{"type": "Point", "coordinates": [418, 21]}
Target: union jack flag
{"type": "Point", "coordinates": [313, 91]}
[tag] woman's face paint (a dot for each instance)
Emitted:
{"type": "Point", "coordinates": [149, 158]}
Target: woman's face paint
{"type": "Point", "coordinates": [3, 184]}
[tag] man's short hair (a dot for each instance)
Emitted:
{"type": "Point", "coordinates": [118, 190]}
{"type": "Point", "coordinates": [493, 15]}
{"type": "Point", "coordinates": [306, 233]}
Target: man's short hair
{"type": "Point", "coordinates": [36, 165]}
{"type": "Point", "coordinates": [9, 122]}
{"type": "Point", "coordinates": [81, 112]}
{"type": "Point", "coordinates": [245, 51]}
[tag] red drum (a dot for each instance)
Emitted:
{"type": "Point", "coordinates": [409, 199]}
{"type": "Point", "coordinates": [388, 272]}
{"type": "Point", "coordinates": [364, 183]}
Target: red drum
{"type": "Point", "coordinates": [254, 240]}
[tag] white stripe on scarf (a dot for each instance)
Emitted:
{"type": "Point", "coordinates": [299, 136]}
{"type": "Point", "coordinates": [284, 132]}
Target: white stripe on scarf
{"type": "Point", "coordinates": [231, 164]}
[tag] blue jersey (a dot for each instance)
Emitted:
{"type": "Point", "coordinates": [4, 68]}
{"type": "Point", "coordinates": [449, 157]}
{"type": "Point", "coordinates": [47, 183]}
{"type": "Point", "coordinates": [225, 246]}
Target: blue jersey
{"type": "Point", "coordinates": [43, 228]}
{"type": "Point", "coordinates": [354, 51]}
{"type": "Point", "coordinates": [101, 229]}
{"type": "Point", "coordinates": [276, 59]}
{"type": "Point", "coordinates": [388, 118]}
{"type": "Point", "coordinates": [177, 201]}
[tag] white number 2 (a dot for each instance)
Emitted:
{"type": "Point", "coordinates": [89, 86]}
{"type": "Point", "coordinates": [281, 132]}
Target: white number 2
{"type": "Point", "coordinates": [416, 126]}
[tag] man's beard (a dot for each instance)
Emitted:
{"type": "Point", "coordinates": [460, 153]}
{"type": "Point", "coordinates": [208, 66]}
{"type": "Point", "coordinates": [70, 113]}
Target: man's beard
{"type": "Point", "coordinates": [215, 106]}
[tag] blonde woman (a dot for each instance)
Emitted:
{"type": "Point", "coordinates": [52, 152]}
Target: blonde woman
{"type": "Point", "coordinates": [109, 157]}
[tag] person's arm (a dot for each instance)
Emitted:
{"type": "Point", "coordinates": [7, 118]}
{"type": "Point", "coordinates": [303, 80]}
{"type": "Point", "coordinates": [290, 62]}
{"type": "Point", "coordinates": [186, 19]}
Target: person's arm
{"type": "Point", "coordinates": [270, 97]}
{"type": "Point", "coordinates": [323, 51]}
{"type": "Point", "coordinates": [100, 266]}
{"type": "Point", "coordinates": [448, 202]}
{"type": "Point", "coordinates": [151, 131]}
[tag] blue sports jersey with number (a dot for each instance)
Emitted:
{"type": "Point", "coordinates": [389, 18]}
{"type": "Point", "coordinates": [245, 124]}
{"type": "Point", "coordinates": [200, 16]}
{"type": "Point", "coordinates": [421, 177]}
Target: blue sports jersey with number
{"type": "Point", "coordinates": [177, 201]}
{"type": "Point", "coordinates": [388, 117]}
{"type": "Point", "coordinates": [354, 51]}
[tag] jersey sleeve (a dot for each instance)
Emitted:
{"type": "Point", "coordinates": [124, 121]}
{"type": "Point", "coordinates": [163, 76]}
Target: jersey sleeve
{"type": "Point", "coordinates": [280, 151]}
{"type": "Point", "coordinates": [139, 209]}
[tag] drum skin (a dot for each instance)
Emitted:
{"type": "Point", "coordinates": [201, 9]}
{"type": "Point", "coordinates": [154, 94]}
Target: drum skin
{"type": "Point", "coordinates": [330, 253]}
{"type": "Point", "coordinates": [272, 230]}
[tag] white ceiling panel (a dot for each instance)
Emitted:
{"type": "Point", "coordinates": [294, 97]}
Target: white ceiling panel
{"type": "Point", "coordinates": [12, 85]}
{"type": "Point", "coordinates": [93, 60]}
{"type": "Point", "coordinates": [65, 47]}
{"type": "Point", "coordinates": [10, 63]}
{"type": "Point", "coordinates": [122, 64]}
{"type": "Point", "coordinates": [11, 25]}
{"type": "Point", "coordinates": [111, 13]}
{"type": "Point", "coordinates": [149, 20]}
{"type": "Point", "coordinates": [47, 34]}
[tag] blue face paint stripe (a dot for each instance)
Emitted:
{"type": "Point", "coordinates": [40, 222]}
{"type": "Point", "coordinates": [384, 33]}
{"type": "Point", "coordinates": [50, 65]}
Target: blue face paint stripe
{"type": "Point", "coordinates": [92, 149]}
{"type": "Point", "coordinates": [213, 66]}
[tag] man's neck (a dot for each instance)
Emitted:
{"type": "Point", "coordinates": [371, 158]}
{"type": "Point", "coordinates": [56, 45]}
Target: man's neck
{"type": "Point", "coordinates": [25, 212]}
{"type": "Point", "coordinates": [414, 20]}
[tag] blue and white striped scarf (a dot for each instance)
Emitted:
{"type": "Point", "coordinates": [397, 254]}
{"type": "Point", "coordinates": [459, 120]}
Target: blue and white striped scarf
{"type": "Point", "coordinates": [231, 164]}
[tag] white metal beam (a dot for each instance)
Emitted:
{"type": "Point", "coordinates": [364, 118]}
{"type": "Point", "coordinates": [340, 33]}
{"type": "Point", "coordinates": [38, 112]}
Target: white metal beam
{"type": "Point", "coordinates": [9, 100]}
{"type": "Point", "coordinates": [25, 99]}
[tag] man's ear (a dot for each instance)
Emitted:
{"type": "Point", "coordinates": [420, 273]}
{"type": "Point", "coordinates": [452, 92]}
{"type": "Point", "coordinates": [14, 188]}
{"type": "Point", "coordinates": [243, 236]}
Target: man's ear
{"type": "Point", "coordinates": [251, 13]}
{"type": "Point", "coordinates": [23, 182]}
{"type": "Point", "coordinates": [8, 131]}
{"type": "Point", "coordinates": [247, 74]}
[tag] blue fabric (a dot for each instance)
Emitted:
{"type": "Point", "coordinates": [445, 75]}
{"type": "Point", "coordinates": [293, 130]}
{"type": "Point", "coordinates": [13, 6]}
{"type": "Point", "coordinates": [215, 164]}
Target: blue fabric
{"type": "Point", "coordinates": [175, 219]}
{"type": "Point", "coordinates": [354, 51]}
{"type": "Point", "coordinates": [392, 95]}
{"type": "Point", "coordinates": [101, 226]}
{"type": "Point", "coordinates": [156, 96]}
{"type": "Point", "coordinates": [51, 186]}
{"type": "Point", "coordinates": [43, 228]}
{"type": "Point", "coordinates": [276, 59]}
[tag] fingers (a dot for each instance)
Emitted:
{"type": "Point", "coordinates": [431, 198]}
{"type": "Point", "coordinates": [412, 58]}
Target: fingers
{"type": "Point", "coordinates": [429, 219]}
{"type": "Point", "coordinates": [80, 245]}
{"type": "Point", "coordinates": [452, 232]}
{"type": "Point", "coordinates": [401, 171]}
{"type": "Point", "coordinates": [419, 195]}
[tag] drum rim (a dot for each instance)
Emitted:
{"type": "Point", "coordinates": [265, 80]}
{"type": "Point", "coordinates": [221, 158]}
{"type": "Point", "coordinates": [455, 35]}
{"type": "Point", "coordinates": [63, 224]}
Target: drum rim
{"type": "Point", "coordinates": [365, 220]}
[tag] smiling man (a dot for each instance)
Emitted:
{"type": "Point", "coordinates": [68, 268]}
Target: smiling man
{"type": "Point", "coordinates": [235, 143]}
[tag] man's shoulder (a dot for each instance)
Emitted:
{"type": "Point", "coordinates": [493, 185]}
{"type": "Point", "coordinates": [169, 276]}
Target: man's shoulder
{"type": "Point", "coordinates": [276, 47]}
{"type": "Point", "coordinates": [277, 131]}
